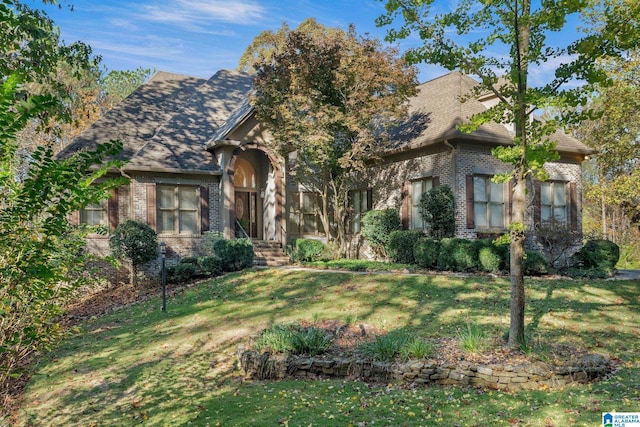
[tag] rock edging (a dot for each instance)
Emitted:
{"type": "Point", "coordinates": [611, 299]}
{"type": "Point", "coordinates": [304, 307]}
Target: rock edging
{"type": "Point", "coordinates": [505, 377]}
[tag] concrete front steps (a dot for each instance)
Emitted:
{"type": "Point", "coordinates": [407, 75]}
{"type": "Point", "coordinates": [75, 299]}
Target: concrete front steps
{"type": "Point", "coordinates": [269, 253]}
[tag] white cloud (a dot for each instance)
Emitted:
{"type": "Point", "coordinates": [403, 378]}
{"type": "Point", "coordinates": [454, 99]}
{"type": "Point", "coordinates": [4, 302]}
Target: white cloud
{"type": "Point", "coordinates": [192, 14]}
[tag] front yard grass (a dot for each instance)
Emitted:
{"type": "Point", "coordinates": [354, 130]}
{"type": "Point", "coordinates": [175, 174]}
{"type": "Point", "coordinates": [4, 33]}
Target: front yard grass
{"type": "Point", "coordinates": [139, 365]}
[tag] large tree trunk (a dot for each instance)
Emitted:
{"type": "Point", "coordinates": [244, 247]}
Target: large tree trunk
{"type": "Point", "coordinates": [523, 34]}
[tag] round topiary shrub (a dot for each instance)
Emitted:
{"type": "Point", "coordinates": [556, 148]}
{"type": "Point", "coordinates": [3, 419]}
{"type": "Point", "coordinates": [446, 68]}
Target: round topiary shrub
{"type": "Point", "coordinates": [401, 243]}
{"type": "Point", "coordinates": [492, 257]}
{"type": "Point", "coordinates": [457, 255]}
{"type": "Point", "coordinates": [234, 254]}
{"type": "Point", "coordinates": [307, 250]}
{"type": "Point", "coordinates": [377, 226]}
{"type": "Point", "coordinates": [135, 242]}
{"type": "Point", "coordinates": [425, 252]}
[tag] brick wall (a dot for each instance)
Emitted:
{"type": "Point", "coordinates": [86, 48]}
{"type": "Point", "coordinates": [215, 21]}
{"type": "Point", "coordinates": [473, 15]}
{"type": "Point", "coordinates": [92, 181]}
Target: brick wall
{"type": "Point", "coordinates": [132, 204]}
{"type": "Point", "coordinates": [452, 167]}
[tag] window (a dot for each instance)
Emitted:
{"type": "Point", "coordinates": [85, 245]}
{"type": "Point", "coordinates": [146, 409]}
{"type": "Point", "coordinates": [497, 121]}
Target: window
{"type": "Point", "coordinates": [94, 214]}
{"type": "Point", "coordinates": [177, 209]}
{"type": "Point", "coordinates": [488, 203]}
{"type": "Point", "coordinates": [303, 216]}
{"type": "Point", "coordinates": [360, 204]}
{"type": "Point", "coordinates": [418, 188]}
{"type": "Point", "coordinates": [553, 201]}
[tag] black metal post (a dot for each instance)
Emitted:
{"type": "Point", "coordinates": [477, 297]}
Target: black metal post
{"type": "Point", "coordinates": [163, 251]}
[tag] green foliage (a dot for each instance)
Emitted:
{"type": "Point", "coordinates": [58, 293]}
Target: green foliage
{"type": "Point", "coordinates": [598, 254]}
{"type": "Point", "coordinates": [210, 265]}
{"type": "Point", "coordinates": [377, 226]}
{"type": "Point", "coordinates": [492, 256]}
{"type": "Point", "coordinates": [311, 341]}
{"type": "Point", "coordinates": [535, 264]}
{"type": "Point", "coordinates": [276, 339]}
{"type": "Point", "coordinates": [416, 348]}
{"type": "Point", "coordinates": [426, 252]}
{"type": "Point", "coordinates": [438, 211]}
{"type": "Point", "coordinates": [234, 254]}
{"type": "Point", "coordinates": [135, 242]}
{"type": "Point", "coordinates": [472, 339]}
{"type": "Point", "coordinates": [457, 255]}
{"type": "Point", "coordinates": [181, 272]}
{"type": "Point", "coordinates": [294, 339]}
{"type": "Point", "coordinates": [401, 243]}
{"type": "Point", "coordinates": [386, 347]}
{"type": "Point", "coordinates": [42, 257]}
{"type": "Point", "coordinates": [307, 250]}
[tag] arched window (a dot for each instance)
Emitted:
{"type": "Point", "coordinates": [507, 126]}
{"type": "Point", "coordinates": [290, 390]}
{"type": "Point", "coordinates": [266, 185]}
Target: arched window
{"type": "Point", "coordinates": [245, 175]}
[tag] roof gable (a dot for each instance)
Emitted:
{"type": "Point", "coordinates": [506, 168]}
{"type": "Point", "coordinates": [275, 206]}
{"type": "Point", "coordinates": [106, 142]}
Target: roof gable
{"type": "Point", "coordinates": [444, 103]}
{"type": "Point", "coordinates": [135, 120]}
{"type": "Point", "coordinates": [180, 144]}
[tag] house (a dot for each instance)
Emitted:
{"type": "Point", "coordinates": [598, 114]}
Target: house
{"type": "Point", "coordinates": [198, 161]}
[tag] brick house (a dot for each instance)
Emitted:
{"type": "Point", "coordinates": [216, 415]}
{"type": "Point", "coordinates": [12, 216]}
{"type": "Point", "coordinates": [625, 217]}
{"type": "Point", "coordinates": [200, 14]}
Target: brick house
{"type": "Point", "coordinates": [198, 162]}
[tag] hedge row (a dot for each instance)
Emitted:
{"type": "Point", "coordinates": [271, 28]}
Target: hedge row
{"type": "Point", "coordinates": [459, 255]}
{"type": "Point", "coordinates": [228, 255]}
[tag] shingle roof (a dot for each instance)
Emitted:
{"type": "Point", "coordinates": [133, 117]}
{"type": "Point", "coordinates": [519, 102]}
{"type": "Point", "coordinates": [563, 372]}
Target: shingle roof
{"type": "Point", "coordinates": [169, 122]}
{"type": "Point", "coordinates": [136, 119]}
{"type": "Point", "coordinates": [164, 125]}
{"type": "Point", "coordinates": [180, 144]}
{"type": "Point", "coordinates": [438, 108]}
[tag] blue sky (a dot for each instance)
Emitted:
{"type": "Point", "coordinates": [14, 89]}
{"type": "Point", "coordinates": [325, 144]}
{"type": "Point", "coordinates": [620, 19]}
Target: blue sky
{"type": "Point", "coordinates": [199, 37]}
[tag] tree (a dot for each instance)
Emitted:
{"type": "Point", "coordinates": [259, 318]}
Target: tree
{"type": "Point", "coordinates": [501, 42]}
{"type": "Point", "coordinates": [135, 242]}
{"type": "Point", "coordinates": [42, 262]}
{"type": "Point", "coordinates": [613, 184]}
{"type": "Point", "coordinates": [438, 211]}
{"type": "Point", "coordinates": [327, 96]}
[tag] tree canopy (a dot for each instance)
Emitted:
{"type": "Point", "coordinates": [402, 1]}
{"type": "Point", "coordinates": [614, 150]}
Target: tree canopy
{"type": "Point", "coordinates": [42, 261]}
{"type": "Point", "coordinates": [501, 43]}
{"type": "Point", "coordinates": [328, 96]}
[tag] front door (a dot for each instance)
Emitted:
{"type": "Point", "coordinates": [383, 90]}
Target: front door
{"type": "Point", "coordinates": [246, 204]}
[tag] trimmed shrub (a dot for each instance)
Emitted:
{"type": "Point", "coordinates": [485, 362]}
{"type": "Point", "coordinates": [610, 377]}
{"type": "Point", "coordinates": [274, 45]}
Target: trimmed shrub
{"type": "Point", "coordinates": [425, 252]}
{"type": "Point", "coordinates": [492, 257]}
{"type": "Point", "coordinates": [437, 209]}
{"type": "Point", "coordinates": [234, 254]}
{"type": "Point", "coordinates": [377, 226]}
{"type": "Point", "coordinates": [457, 255]}
{"type": "Point", "coordinates": [598, 254]}
{"type": "Point", "coordinates": [401, 243]}
{"type": "Point", "coordinates": [307, 250]}
{"type": "Point", "coordinates": [189, 260]}
{"type": "Point", "coordinates": [181, 273]}
{"type": "Point", "coordinates": [210, 265]}
{"type": "Point", "coordinates": [135, 242]}
{"type": "Point", "coordinates": [535, 264]}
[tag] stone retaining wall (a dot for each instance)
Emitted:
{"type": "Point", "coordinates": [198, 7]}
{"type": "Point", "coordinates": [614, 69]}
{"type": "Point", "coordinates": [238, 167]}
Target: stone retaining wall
{"type": "Point", "coordinates": [499, 377]}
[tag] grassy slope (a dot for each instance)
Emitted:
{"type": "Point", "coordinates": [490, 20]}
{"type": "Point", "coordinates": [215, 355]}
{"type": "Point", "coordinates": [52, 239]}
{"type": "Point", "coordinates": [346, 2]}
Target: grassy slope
{"type": "Point", "coordinates": [174, 368]}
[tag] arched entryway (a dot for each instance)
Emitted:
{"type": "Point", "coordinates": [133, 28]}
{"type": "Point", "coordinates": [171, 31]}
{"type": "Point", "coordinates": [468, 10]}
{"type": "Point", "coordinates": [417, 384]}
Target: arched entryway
{"type": "Point", "coordinates": [257, 194]}
{"type": "Point", "coordinates": [246, 199]}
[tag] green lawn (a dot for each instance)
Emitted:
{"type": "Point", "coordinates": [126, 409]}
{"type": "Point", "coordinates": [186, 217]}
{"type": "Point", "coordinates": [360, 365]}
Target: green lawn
{"type": "Point", "coordinates": [142, 366]}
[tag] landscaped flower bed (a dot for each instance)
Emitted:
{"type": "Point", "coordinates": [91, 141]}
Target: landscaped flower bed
{"type": "Point", "coordinates": [347, 357]}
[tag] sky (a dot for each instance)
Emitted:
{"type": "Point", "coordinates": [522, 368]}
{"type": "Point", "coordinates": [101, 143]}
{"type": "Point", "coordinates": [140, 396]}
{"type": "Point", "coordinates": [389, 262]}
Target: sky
{"type": "Point", "coordinates": [200, 37]}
